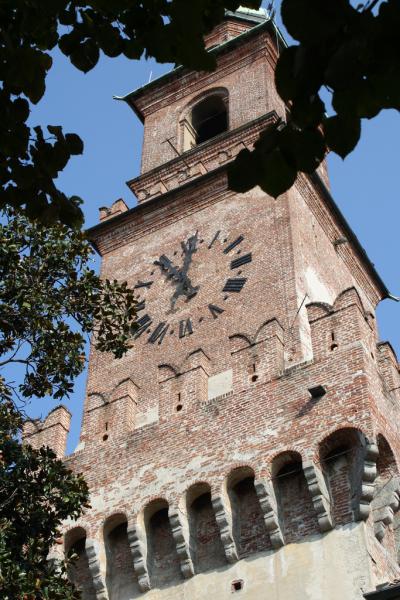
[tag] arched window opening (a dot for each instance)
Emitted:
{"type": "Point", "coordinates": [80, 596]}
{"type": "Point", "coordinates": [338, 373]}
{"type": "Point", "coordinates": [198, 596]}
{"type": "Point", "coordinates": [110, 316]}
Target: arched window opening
{"type": "Point", "coordinates": [387, 495]}
{"type": "Point", "coordinates": [341, 458]}
{"type": "Point", "coordinates": [337, 467]}
{"type": "Point", "coordinates": [207, 119]}
{"type": "Point", "coordinates": [249, 528]}
{"type": "Point", "coordinates": [78, 572]}
{"type": "Point", "coordinates": [120, 578]}
{"type": "Point", "coordinates": [205, 543]}
{"type": "Point", "coordinates": [162, 558]}
{"type": "Point", "coordinates": [295, 507]}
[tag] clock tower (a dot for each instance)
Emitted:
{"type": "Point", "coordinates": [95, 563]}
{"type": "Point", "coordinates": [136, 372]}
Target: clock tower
{"type": "Point", "coordinates": [248, 442]}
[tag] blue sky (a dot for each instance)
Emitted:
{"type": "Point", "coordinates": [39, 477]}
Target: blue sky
{"type": "Point", "coordinates": [365, 185]}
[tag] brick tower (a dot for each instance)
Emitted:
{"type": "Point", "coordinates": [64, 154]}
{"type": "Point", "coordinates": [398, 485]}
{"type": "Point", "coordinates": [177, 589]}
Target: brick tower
{"type": "Point", "coordinates": [248, 443]}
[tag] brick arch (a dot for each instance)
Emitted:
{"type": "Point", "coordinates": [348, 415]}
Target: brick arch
{"type": "Point", "coordinates": [248, 525]}
{"type": "Point", "coordinates": [239, 341]}
{"type": "Point", "coordinates": [162, 560]}
{"type": "Point", "coordinates": [341, 455]}
{"type": "Point", "coordinates": [316, 310]}
{"type": "Point", "coordinates": [206, 548]}
{"type": "Point", "coordinates": [120, 579]}
{"type": "Point", "coordinates": [281, 458]}
{"type": "Point", "coordinates": [194, 490]}
{"type": "Point", "coordinates": [96, 399]}
{"type": "Point", "coordinates": [214, 91]}
{"type": "Point", "coordinates": [79, 572]}
{"type": "Point", "coordinates": [73, 535]}
{"type": "Point", "coordinates": [385, 504]}
{"type": "Point", "coordinates": [338, 435]}
{"type": "Point", "coordinates": [258, 336]}
{"type": "Point", "coordinates": [237, 473]}
{"type": "Point", "coordinates": [186, 131]}
{"type": "Point", "coordinates": [113, 520]}
{"type": "Point", "coordinates": [386, 458]}
{"type": "Point", "coordinates": [166, 371]}
{"type": "Point", "coordinates": [346, 297]}
{"type": "Point", "coordinates": [296, 511]}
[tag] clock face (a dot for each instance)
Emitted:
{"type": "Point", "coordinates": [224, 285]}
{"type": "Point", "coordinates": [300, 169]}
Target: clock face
{"type": "Point", "coordinates": [189, 291]}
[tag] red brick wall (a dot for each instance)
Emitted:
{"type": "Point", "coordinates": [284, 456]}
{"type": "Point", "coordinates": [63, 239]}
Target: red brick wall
{"type": "Point", "coordinates": [205, 542]}
{"type": "Point", "coordinates": [249, 525]}
{"type": "Point", "coordinates": [79, 572]}
{"type": "Point", "coordinates": [120, 577]}
{"type": "Point", "coordinates": [301, 288]}
{"type": "Point", "coordinates": [162, 558]}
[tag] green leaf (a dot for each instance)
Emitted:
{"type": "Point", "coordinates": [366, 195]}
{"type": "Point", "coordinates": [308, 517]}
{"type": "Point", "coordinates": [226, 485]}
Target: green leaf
{"type": "Point", "coordinates": [74, 143]}
{"type": "Point", "coordinates": [346, 66]}
{"type": "Point", "coordinates": [85, 56]}
{"type": "Point", "coordinates": [307, 111]}
{"type": "Point", "coordinates": [312, 21]}
{"type": "Point", "coordinates": [304, 150]}
{"type": "Point", "coordinates": [55, 130]}
{"type": "Point", "coordinates": [284, 73]}
{"type": "Point", "coordinates": [342, 134]}
{"type": "Point", "coordinates": [276, 176]}
{"type": "Point", "coordinates": [243, 172]}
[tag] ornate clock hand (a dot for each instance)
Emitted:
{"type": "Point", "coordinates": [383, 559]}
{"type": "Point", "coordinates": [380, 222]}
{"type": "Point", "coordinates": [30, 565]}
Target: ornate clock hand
{"type": "Point", "coordinates": [177, 275]}
{"type": "Point", "coordinates": [180, 276]}
{"type": "Point", "coordinates": [189, 248]}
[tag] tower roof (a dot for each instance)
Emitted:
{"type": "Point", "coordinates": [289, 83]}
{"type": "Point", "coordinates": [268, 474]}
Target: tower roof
{"type": "Point", "coordinates": [249, 14]}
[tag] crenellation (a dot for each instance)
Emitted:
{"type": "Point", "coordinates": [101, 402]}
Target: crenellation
{"type": "Point", "coordinates": [52, 431]}
{"type": "Point", "coordinates": [248, 441]}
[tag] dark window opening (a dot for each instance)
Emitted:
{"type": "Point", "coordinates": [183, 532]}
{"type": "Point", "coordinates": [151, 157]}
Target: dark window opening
{"type": "Point", "coordinates": [209, 118]}
{"type": "Point", "coordinates": [291, 468]}
{"type": "Point", "coordinates": [237, 585]}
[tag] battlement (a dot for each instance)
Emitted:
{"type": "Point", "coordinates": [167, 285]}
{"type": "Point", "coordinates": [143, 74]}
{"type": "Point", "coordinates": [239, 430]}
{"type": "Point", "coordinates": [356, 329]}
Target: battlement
{"type": "Point", "coordinates": [52, 431]}
{"type": "Point", "coordinates": [248, 511]}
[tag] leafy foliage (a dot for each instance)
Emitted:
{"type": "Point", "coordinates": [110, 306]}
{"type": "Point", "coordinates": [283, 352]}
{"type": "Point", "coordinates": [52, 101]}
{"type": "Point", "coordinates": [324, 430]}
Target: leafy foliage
{"type": "Point", "coordinates": [354, 54]}
{"type": "Point", "coordinates": [50, 298]}
{"type": "Point", "coordinates": [37, 493]}
{"type": "Point", "coordinates": [168, 30]}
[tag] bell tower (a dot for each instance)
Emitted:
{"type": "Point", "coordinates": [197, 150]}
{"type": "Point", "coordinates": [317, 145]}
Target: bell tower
{"type": "Point", "coordinates": [248, 443]}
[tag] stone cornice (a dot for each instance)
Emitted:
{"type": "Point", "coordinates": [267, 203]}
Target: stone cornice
{"type": "Point", "coordinates": [198, 161]}
{"type": "Point", "coordinates": [160, 211]}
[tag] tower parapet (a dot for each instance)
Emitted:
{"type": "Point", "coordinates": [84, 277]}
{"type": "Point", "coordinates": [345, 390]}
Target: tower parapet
{"type": "Point", "coordinates": [52, 431]}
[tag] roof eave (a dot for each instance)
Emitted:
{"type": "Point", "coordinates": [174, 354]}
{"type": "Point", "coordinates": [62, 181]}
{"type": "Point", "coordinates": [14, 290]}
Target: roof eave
{"type": "Point", "coordinates": [135, 94]}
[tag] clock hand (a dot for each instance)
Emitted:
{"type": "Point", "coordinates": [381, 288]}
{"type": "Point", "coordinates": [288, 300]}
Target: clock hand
{"type": "Point", "coordinates": [189, 248]}
{"type": "Point", "coordinates": [177, 275]}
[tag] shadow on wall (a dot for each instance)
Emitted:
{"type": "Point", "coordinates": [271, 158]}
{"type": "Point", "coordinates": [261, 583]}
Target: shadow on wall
{"type": "Point", "coordinates": [250, 516]}
{"type": "Point", "coordinates": [78, 572]}
{"type": "Point", "coordinates": [121, 582]}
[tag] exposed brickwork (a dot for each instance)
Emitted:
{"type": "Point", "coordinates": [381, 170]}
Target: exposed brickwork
{"type": "Point", "coordinates": [255, 470]}
{"type": "Point", "coordinates": [53, 431]}
{"type": "Point", "coordinates": [207, 549]}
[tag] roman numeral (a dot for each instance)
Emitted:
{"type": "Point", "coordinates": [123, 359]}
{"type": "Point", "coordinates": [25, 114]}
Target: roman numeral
{"type": "Point", "coordinates": [242, 260]}
{"type": "Point", "coordinates": [143, 323]}
{"type": "Point", "coordinates": [233, 244]}
{"type": "Point", "coordinates": [216, 236]}
{"type": "Point", "coordinates": [143, 284]}
{"type": "Point", "coordinates": [159, 333]}
{"type": "Point", "coordinates": [234, 285]}
{"type": "Point", "coordinates": [215, 310]}
{"type": "Point", "coordinates": [185, 328]}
